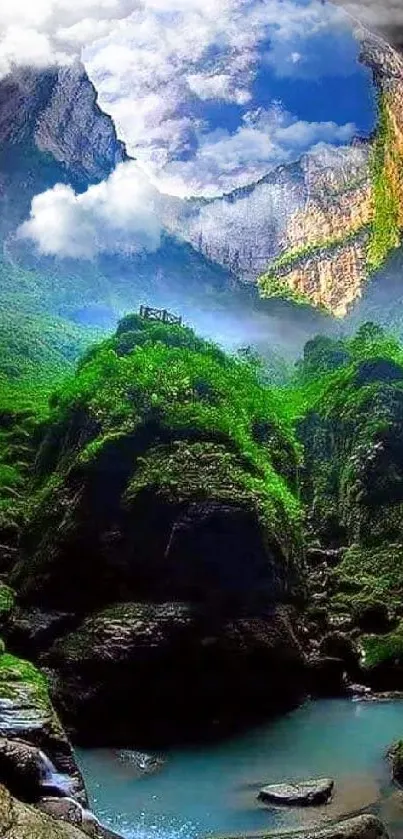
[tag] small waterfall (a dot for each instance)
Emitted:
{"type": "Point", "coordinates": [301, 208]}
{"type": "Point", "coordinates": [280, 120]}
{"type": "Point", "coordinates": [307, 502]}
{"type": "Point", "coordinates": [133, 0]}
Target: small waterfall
{"type": "Point", "coordinates": [52, 781]}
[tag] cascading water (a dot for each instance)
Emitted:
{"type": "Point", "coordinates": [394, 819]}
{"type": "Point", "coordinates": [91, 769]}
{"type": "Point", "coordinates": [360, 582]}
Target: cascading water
{"type": "Point", "coordinates": [52, 781]}
{"type": "Point", "coordinates": [54, 784]}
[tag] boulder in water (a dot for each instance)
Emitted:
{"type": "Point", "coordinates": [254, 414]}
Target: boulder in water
{"type": "Point", "coordinates": [359, 827]}
{"type": "Point", "coordinates": [365, 826]}
{"type": "Point", "coordinates": [298, 794]}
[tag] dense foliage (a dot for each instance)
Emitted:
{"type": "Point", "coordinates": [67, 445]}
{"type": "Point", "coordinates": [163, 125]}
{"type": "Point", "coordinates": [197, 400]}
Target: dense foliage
{"type": "Point", "coordinates": [190, 422]}
{"type": "Point", "coordinates": [182, 388]}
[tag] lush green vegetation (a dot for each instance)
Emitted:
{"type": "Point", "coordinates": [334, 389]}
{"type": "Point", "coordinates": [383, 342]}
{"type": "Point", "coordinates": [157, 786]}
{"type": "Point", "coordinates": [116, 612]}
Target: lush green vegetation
{"type": "Point", "coordinates": [328, 364]}
{"type": "Point", "coordinates": [186, 421]}
{"type": "Point", "coordinates": [156, 413]}
{"type": "Point", "coordinates": [272, 285]}
{"type": "Point", "coordinates": [369, 576]}
{"type": "Point", "coordinates": [38, 343]}
{"type": "Point", "coordinates": [348, 397]}
{"type": "Point", "coordinates": [385, 232]}
{"type": "Point", "coordinates": [383, 649]}
{"type": "Point", "coordinates": [7, 601]}
{"type": "Point", "coordinates": [21, 680]}
{"type": "Point", "coordinates": [224, 432]}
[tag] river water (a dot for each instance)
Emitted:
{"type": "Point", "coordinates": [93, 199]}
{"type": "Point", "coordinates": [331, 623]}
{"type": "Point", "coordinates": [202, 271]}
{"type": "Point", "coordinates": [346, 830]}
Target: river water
{"type": "Point", "coordinates": [205, 791]}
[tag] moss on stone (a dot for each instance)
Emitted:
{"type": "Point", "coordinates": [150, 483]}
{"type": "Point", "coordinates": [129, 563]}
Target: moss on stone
{"type": "Point", "coordinates": [175, 417]}
{"type": "Point", "coordinates": [380, 650]}
{"type": "Point", "coordinates": [206, 470]}
{"type": "Point", "coordinates": [19, 676]}
{"type": "Point", "coordinates": [7, 601]}
{"type": "Point", "coordinates": [370, 575]}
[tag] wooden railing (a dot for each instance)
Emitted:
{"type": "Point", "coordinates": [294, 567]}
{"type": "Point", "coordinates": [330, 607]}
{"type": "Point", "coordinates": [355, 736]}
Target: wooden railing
{"type": "Point", "coordinates": [148, 313]}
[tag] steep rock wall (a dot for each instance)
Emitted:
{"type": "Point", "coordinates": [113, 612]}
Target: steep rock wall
{"type": "Point", "coordinates": [56, 112]}
{"type": "Point", "coordinates": [51, 130]}
{"type": "Point", "coordinates": [320, 226]}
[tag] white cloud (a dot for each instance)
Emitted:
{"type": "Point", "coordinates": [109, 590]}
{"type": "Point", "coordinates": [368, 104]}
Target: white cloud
{"type": "Point", "coordinates": [149, 70]}
{"type": "Point", "coordinates": [122, 213]}
{"type": "Point", "coordinates": [45, 32]}
{"type": "Point", "coordinates": [151, 59]}
{"type": "Point", "coordinates": [265, 139]}
{"type": "Point", "coordinates": [217, 86]}
{"type": "Point", "coordinates": [60, 28]}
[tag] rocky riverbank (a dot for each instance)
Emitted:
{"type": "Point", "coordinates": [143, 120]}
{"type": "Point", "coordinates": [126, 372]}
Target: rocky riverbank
{"type": "Point", "coordinates": [360, 827]}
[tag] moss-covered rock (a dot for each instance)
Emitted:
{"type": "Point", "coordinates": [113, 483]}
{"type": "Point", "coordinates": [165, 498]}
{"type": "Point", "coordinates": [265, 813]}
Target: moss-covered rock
{"type": "Point", "coordinates": [369, 583]}
{"type": "Point", "coordinates": [382, 659]}
{"type": "Point", "coordinates": [7, 602]}
{"type": "Point", "coordinates": [352, 483]}
{"type": "Point", "coordinates": [19, 438]}
{"type": "Point", "coordinates": [168, 473]}
{"type": "Point", "coordinates": [26, 712]}
{"type": "Point", "coordinates": [355, 464]}
{"type": "Point", "coordinates": [144, 446]}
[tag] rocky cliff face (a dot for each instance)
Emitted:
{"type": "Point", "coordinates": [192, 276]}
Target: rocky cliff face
{"type": "Point", "coordinates": [57, 112]}
{"type": "Point", "coordinates": [319, 227]}
{"type": "Point", "coordinates": [309, 221]}
{"type": "Point", "coordinates": [243, 229]}
{"type": "Point", "coordinates": [51, 130]}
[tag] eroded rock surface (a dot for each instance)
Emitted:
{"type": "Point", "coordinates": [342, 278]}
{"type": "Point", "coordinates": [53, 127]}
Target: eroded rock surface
{"type": "Point", "coordinates": [21, 821]}
{"type": "Point", "coordinates": [360, 827]}
{"type": "Point", "coordinates": [130, 661]}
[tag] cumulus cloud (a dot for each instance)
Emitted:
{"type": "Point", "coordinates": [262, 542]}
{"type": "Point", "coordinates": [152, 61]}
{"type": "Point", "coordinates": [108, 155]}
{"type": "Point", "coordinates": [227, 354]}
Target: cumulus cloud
{"type": "Point", "coordinates": [201, 48]}
{"type": "Point", "coordinates": [122, 213]}
{"type": "Point", "coordinates": [152, 70]}
{"type": "Point", "coordinates": [217, 86]}
{"type": "Point", "coordinates": [45, 32]}
{"type": "Point", "coordinates": [157, 63]}
{"type": "Point", "coordinates": [266, 138]}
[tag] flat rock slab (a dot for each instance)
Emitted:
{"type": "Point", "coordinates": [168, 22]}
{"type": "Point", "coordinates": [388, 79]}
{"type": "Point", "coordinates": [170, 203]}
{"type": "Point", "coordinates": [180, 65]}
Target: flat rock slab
{"type": "Point", "coordinates": [301, 794]}
{"type": "Point", "coordinates": [359, 827]}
